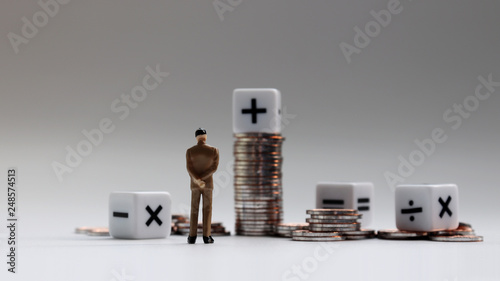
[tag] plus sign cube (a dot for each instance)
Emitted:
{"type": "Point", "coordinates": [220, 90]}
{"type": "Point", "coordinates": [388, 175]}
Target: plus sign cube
{"type": "Point", "coordinates": [426, 207]}
{"type": "Point", "coordinates": [140, 215]}
{"type": "Point", "coordinates": [347, 195]}
{"type": "Point", "coordinates": [256, 111]}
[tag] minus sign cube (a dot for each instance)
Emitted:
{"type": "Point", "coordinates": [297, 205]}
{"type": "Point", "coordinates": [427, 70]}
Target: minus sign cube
{"type": "Point", "coordinates": [140, 215]}
{"type": "Point", "coordinates": [347, 195]}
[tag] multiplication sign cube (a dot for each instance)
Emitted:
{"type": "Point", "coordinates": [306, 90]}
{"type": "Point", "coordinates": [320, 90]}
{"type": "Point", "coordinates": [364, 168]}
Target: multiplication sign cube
{"type": "Point", "coordinates": [256, 111]}
{"type": "Point", "coordinates": [347, 195]}
{"type": "Point", "coordinates": [426, 207]}
{"type": "Point", "coordinates": [140, 215]}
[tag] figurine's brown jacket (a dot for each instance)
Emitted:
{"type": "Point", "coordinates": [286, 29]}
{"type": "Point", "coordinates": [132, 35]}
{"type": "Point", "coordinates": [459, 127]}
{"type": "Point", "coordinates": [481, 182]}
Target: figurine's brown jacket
{"type": "Point", "coordinates": [202, 161]}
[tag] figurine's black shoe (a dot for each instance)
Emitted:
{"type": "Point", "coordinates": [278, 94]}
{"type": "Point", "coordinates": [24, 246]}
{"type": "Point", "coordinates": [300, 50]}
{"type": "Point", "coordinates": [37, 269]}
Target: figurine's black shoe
{"type": "Point", "coordinates": [192, 239]}
{"type": "Point", "coordinates": [208, 240]}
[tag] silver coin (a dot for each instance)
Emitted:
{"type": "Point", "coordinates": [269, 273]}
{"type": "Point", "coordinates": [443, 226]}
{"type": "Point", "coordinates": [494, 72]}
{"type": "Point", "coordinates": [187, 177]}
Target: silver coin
{"type": "Point", "coordinates": [257, 199]}
{"type": "Point", "coordinates": [254, 233]}
{"type": "Point", "coordinates": [257, 216]}
{"type": "Point", "coordinates": [451, 233]}
{"type": "Point", "coordinates": [249, 174]}
{"type": "Point", "coordinates": [257, 182]}
{"type": "Point", "coordinates": [257, 135]}
{"type": "Point", "coordinates": [310, 220]}
{"type": "Point", "coordinates": [457, 238]}
{"type": "Point", "coordinates": [338, 225]}
{"type": "Point", "coordinates": [318, 239]}
{"type": "Point", "coordinates": [331, 229]}
{"type": "Point", "coordinates": [241, 229]}
{"type": "Point", "coordinates": [337, 217]}
{"type": "Point", "coordinates": [360, 232]}
{"type": "Point", "coordinates": [331, 212]}
{"type": "Point", "coordinates": [358, 237]}
{"type": "Point", "coordinates": [256, 205]}
{"type": "Point", "coordinates": [308, 233]}
{"type": "Point", "coordinates": [270, 211]}
{"type": "Point", "coordinates": [398, 234]}
{"type": "Point", "coordinates": [246, 223]}
{"type": "Point", "coordinates": [247, 197]}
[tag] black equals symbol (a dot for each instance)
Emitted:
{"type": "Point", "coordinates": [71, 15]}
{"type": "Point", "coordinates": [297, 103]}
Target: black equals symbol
{"type": "Point", "coordinates": [411, 210]}
{"type": "Point", "coordinates": [365, 207]}
{"type": "Point", "coordinates": [120, 215]}
{"type": "Point", "coordinates": [337, 203]}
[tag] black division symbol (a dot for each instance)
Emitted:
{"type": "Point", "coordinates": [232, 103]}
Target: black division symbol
{"type": "Point", "coordinates": [411, 210]}
{"type": "Point", "coordinates": [154, 215]}
{"type": "Point", "coordinates": [445, 206]}
{"type": "Point", "coordinates": [254, 111]}
{"type": "Point", "coordinates": [365, 206]}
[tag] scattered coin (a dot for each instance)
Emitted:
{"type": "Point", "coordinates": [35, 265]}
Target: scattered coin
{"type": "Point", "coordinates": [463, 233]}
{"type": "Point", "coordinates": [83, 229]}
{"type": "Point", "coordinates": [318, 239]}
{"type": "Point", "coordinates": [99, 231]}
{"type": "Point", "coordinates": [457, 238]}
{"type": "Point", "coordinates": [399, 234]}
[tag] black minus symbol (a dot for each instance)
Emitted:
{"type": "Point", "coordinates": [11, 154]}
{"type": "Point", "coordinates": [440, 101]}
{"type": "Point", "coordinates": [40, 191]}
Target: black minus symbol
{"type": "Point", "coordinates": [120, 215]}
{"type": "Point", "coordinates": [333, 201]}
{"type": "Point", "coordinates": [363, 200]}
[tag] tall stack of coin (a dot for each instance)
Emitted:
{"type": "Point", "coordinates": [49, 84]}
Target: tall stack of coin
{"type": "Point", "coordinates": [257, 183]}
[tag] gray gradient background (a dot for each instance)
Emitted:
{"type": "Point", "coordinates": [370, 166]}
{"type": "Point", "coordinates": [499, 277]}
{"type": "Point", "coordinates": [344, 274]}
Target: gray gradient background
{"type": "Point", "coordinates": [351, 121]}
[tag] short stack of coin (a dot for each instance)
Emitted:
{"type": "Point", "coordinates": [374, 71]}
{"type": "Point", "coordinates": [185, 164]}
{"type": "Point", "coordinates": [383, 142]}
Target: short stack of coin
{"type": "Point", "coordinates": [257, 183]}
{"type": "Point", "coordinates": [286, 229]}
{"type": "Point", "coordinates": [464, 233]}
{"type": "Point", "coordinates": [180, 226]}
{"type": "Point", "coordinates": [333, 225]}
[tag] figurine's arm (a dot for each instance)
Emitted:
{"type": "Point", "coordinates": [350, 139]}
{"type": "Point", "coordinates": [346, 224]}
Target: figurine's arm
{"type": "Point", "coordinates": [189, 166]}
{"type": "Point", "coordinates": [213, 167]}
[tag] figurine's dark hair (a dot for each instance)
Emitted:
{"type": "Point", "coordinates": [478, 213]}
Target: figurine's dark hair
{"type": "Point", "coordinates": [200, 131]}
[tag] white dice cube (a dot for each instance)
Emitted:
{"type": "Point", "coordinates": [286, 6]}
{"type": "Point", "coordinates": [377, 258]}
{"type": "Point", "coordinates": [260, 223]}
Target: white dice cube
{"type": "Point", "coordinates": [140, 215]}
{"type": "Point", "coordinates": [426, 207]}
{"type": "Point", "coordinates": [256, 111]}
{"type": "Point", "coordinates": [347, 195]}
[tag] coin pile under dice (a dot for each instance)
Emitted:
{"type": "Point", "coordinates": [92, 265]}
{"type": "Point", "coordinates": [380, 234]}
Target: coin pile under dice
{"type": "Point", "coordinates": [464, 233]}
{"type": "Point", "coordinates": [333, 225]}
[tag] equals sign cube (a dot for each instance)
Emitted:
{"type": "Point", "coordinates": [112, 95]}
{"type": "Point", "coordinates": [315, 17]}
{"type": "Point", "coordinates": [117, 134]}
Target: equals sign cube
{"type": "Point", "coordinates": [347, 195]}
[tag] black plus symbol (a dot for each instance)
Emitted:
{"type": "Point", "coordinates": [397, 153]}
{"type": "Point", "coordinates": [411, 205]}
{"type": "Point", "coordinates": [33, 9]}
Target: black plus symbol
{"type": "Point", "coordinates": [254, 111]}
{"type": "Point", "coordinates": [154, 215]}
{"type": "Point", "coordinates": [445, 206]}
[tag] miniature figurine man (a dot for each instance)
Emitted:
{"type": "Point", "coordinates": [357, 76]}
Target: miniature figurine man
{"type": "Point", "coordinates": [202, 161]}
